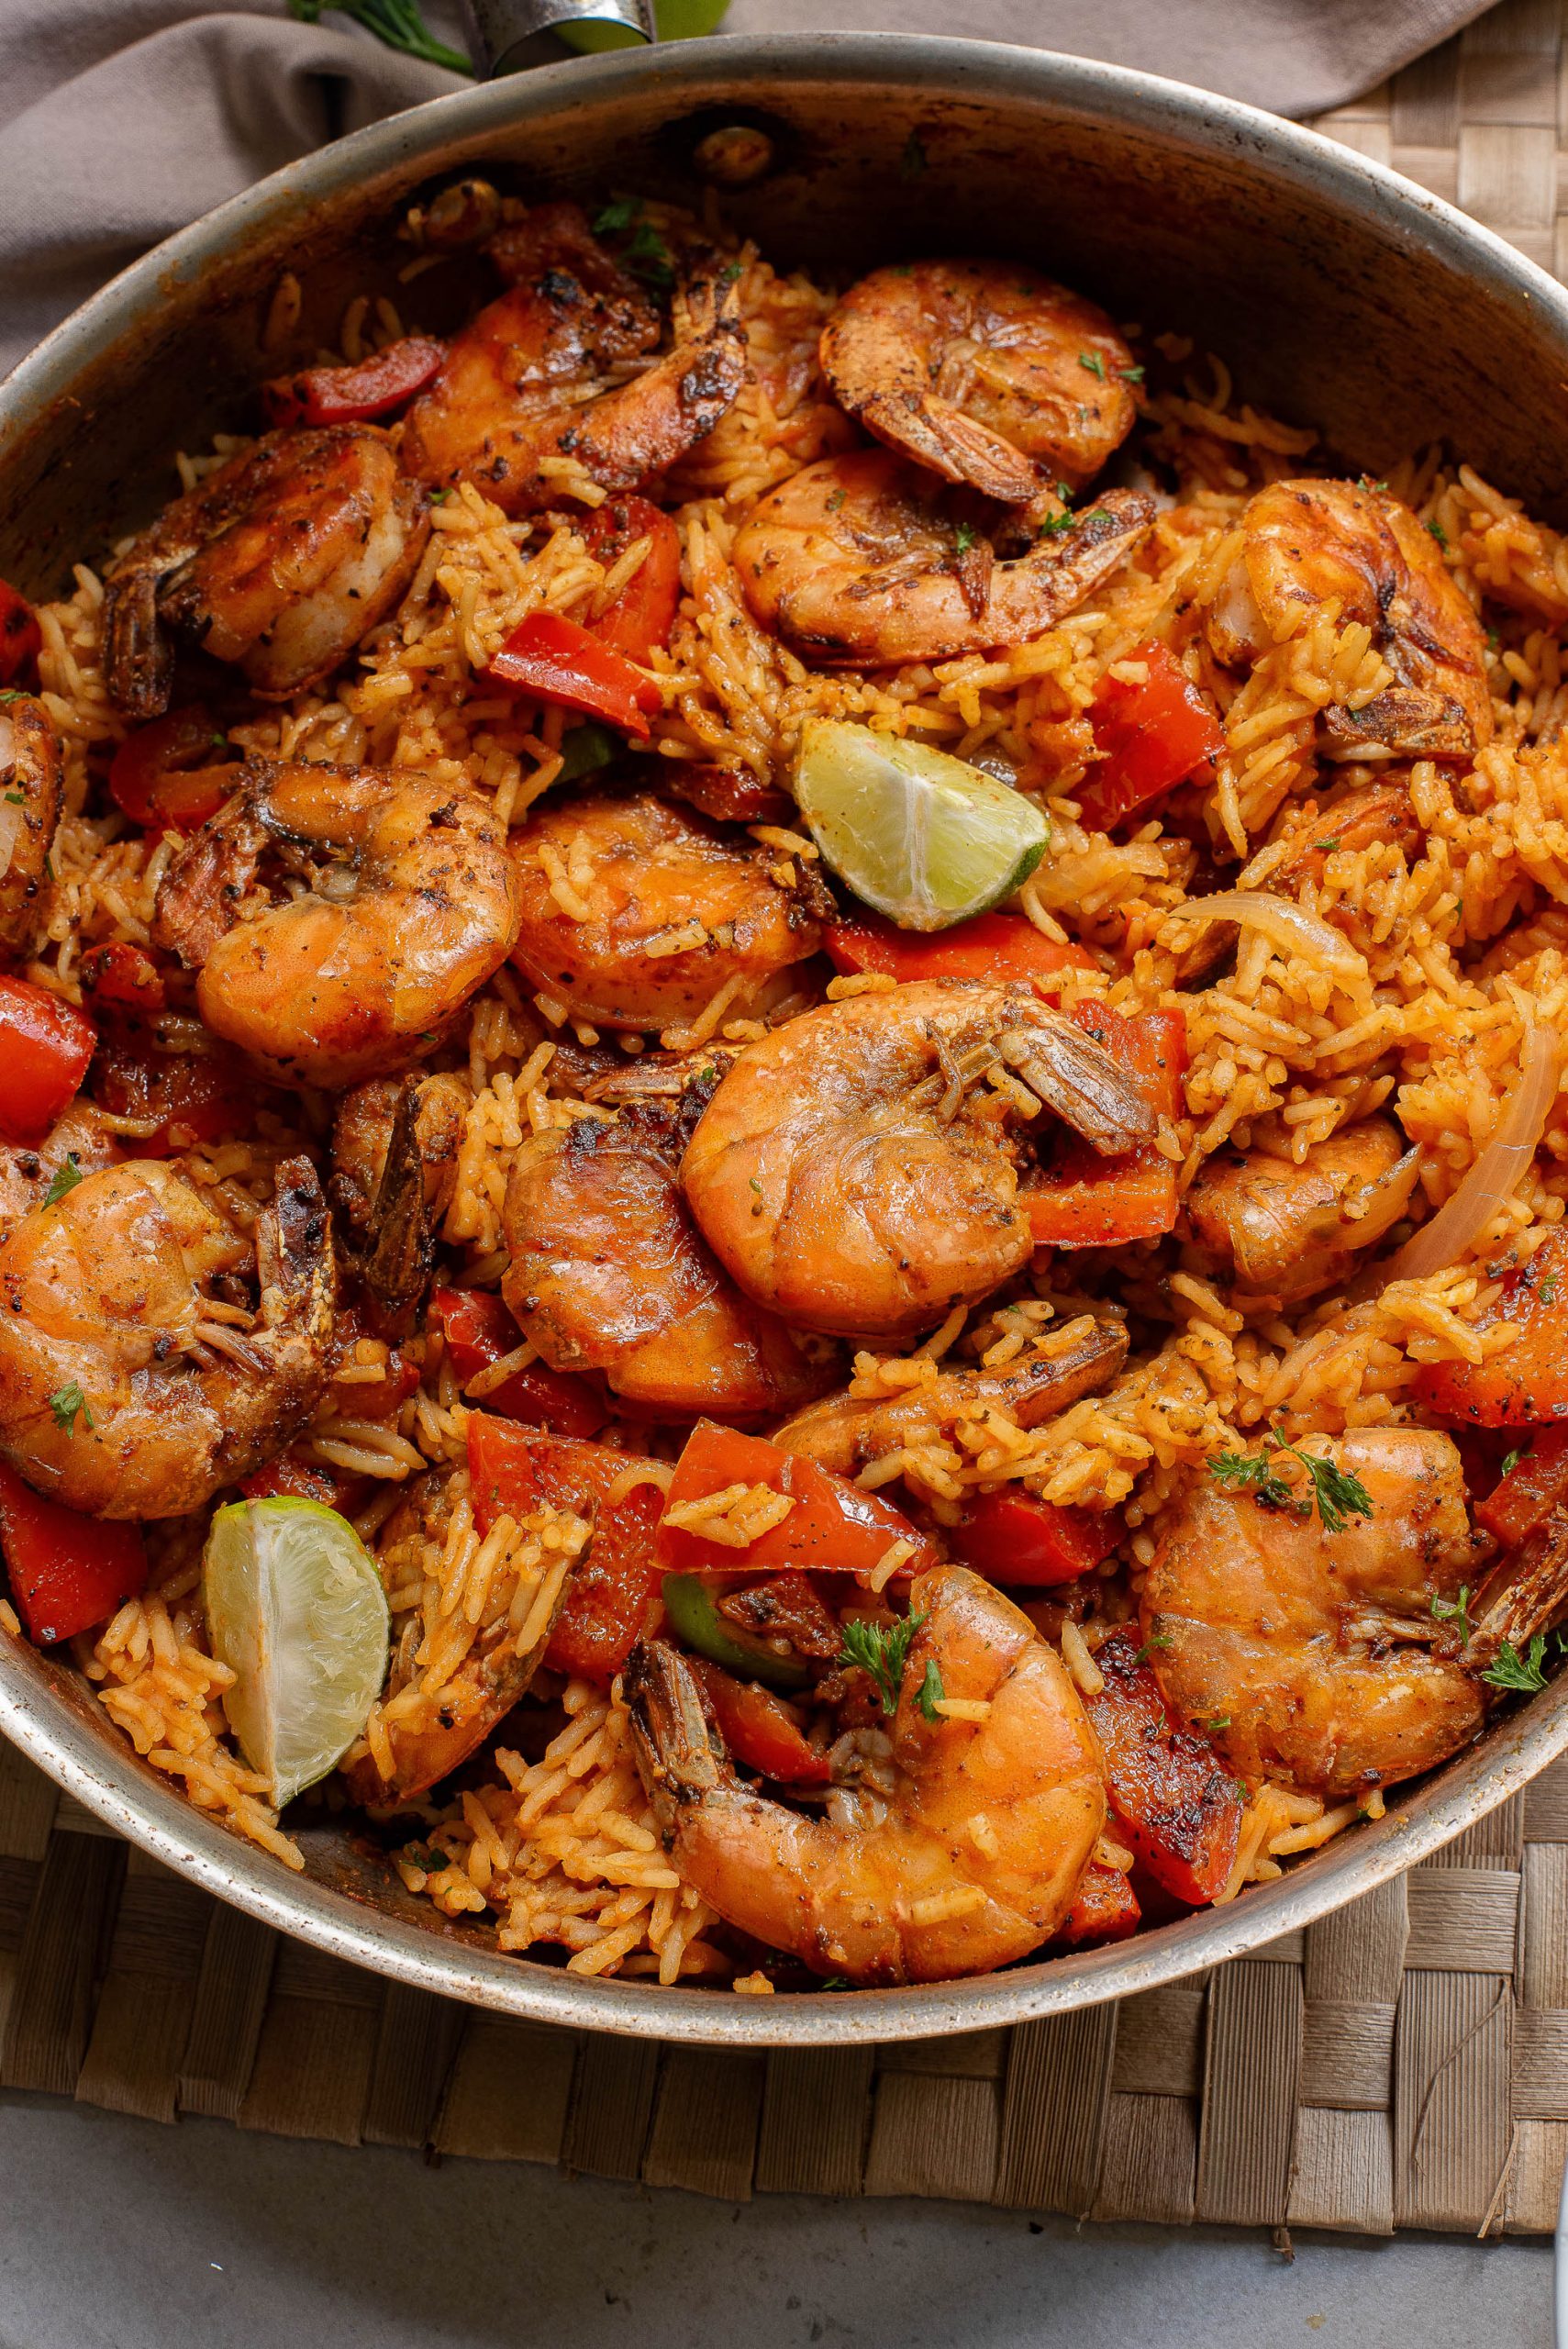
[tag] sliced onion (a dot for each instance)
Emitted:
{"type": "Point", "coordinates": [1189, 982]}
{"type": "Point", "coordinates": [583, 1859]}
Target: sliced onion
{"type": "Point", "coordinates": [1283, 923]}
{"type": "Point", "coordinates": [1456, 1226]}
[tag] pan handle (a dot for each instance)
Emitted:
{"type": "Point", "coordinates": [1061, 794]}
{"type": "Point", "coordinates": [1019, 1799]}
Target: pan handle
{"type": "Point", "coordinates": [512, 34]}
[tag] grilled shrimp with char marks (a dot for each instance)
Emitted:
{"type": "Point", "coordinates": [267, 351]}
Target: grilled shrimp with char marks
{"type": "Point", "coordinates": [32, 772]}
{"type": "Point", "coordinates": [856, 1172]}
{"type": "Point", "coordinates": [394, 1146]}
{"type": "Point", "coordinates": [972, 1862]}
{"type": "Point", "coordinates": [984, 371]}
{"type": "Point", "coordinates": [133, 1381]}
{"type": "Point", "coordinates": [412, 903]}
{"type": "Point", "coordinates": [856, 559]}
{"type": "Point", "coordinates": [281, 561]}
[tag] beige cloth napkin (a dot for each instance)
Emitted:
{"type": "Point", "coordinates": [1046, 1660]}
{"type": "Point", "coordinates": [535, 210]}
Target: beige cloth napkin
{"type": "Point", "coordinates": [121, 120]}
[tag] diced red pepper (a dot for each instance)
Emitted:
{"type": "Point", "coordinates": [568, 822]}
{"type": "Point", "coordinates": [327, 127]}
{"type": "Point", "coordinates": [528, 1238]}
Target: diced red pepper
{"type": "Point", "coordinates": [1082, 1200]}
{"type": "Point", "coordinates": [759, 1728]}
{"type": "Point", "coordinates": [991, 946]}
{"type": "Point", "coordinates": [196, 1096]}
{"type": "Point", "coordinates": [614, 1586]}
{"type": "Point", "coordinates": [639, 620]}
{"type": "Point", "coordinates": [555, 659]}
{"type": "Point", "coordinates": [306, 1480]}
{"type": "Point", "coordinates": [21, 639]}
{"type": "Point", "coordinates": [45, 1046]}
{"type": "Point", "coordinates": [1104, 1908]}
{"type": "Point", "coordinates": [68, 1572]}
{"type": "Point", "coordinates": [479, 1330]}
{"type": "Point", "coordinates": [1526, 1385]}
{"type": "Point", "coordinates": [1180, 1809]}
{"type": "Point", "coordinates": [372, 387]}
{"type": "Point", "coordinates": [119, 977]}
{"type": "Point", "coordinates": [833, 1527]}
{"type": "Point", "coordinates": [1152, 737]}
{"type": "Point", "coordinates": [1025, 1543]}
{"type": "Point", "coordinates": [1532, 1488]}
{"type": "Point", "coordinates": [165, 776]}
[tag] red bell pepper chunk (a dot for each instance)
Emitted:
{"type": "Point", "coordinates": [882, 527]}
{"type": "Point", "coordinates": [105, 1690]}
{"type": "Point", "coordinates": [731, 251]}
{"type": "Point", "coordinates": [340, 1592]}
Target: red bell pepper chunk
{"type": "Point", "coordinates": [1526, 1385]}
{"type": "Point", "coordinates": [833, 1527]}
{"type": "Point", "coordinates": [759, 1728]}
{"type": "Point", "coordinates": [68, 1572]}
{"type": "Point", "coordinates": [372, 387]}
{"type": "Point", "coordinates": [479, 1330]}
{"type": "Point", "coordinates": [1181, 1811]}
{"type": "Point", "coordinates": [1082, 1200]}
{"type": "Point", "coordinates": [1151, 736]}
{"type": "Point", "coordinates": [1104, 1908]}
{"type": "Point", "coordinates": [197, 1097]}
{"type": "Point", "coordinates": [1012, 1538]}
{"type": "Point", "coordinates": [165, 777]}
{"type": "Point", "coordinates": [1533, 1487]}
{"type": "Point", "coordinates": [119, 977]}
{"type": "Point", "coordinates": [991, 946]}
{"type": "Point", "coordinates": [555, 659]}
{"type": "Point", "coordinates": [639, 620]}
{"type": "Point", "coordinates": [615, 1585]}
{"type": "Point", "coordinates": [45, 1046]}
{"type": "Point", "coordinates": [21, 639]}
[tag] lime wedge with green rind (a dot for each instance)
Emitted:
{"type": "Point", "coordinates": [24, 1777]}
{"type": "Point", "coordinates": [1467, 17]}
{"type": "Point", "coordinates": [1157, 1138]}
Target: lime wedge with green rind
{"type": "Point", "coordinates": [920, 836]}
{"type": "Point", "coordinates": [295, 1608]}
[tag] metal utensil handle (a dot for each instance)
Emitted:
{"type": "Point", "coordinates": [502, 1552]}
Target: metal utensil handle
{"type": "Point", "coordinates": [512, 34]}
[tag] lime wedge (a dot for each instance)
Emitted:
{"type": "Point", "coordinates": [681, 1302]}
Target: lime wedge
{"type": "Point", "coordinates": [926, 839]}
{"type": "Point", "coordinates": [295, 1608]}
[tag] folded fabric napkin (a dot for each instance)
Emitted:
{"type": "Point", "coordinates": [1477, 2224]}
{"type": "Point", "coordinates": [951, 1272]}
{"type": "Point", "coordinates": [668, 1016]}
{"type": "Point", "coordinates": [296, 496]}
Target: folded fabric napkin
{"type": "Point", "coordinates": [121, 120]}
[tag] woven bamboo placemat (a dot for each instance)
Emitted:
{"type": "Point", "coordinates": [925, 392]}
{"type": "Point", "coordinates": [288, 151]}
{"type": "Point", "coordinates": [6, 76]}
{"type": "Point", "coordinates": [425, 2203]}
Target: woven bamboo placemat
{"type": "Point", "coordinates": [1404, 2063]}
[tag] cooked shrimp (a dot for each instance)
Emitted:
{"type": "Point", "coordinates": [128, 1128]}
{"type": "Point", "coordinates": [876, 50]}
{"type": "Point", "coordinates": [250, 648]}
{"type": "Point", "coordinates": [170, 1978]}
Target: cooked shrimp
{"type": "Point", "coordinates": [635, 914]}
{"type": "Point", "coordinates": [973, 1859]}
{"type": "Point", "coordinates": [412, 903]}
{"type": "Point", "coordinates": [855, 560]}
{"type": "Point", "coordinates": [1313, 1658]}
{"type": "Point", "coordinates": [282, 561]}
{"type": "Point", "coordinates": [1293, 1228]}
{"type": "Point", "coordinates": [1359, 819]}
{"type": "Point", "coordinates": [528, 394]}
{"type": "Point", "coordinates": [856, 1172]}
{"type": "Point", "coordinates": [79, 1143]}
{"type": "Point", "coordinates": [32, 764]}
{"type": "Point", "coordinates": [846, 1432]}
{"type": "Point", "coordinates": [395, 1145]}
{"type": "Point", "coordinates": [983, 369]}
{"type": "Point", "coordinates": [133, 1380]}
{"type": "Point", "coordinates": [1307, 544]}
{"type": "Point", "coordinates": [608, 1273]}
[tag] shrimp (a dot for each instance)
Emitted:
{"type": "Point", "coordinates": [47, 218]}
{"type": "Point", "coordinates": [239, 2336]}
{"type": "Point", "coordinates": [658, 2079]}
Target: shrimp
{"type": "Point", "coordinates": [32, 767]}
{"type": "Point", "coordinates": [856, 1172]}
{"type": "Point", "coordinates": [1309, 544]}
{"type": "Point", "coordinates": [970, 1862]}
{"type": "Point", "coordinates": [608, 1273]}
{"type": "Point", "coordinates": [845, 1432]}
{"type": "Point", "coordinates": [635, 914]}
{"type": "Point", "coordinates": [1313, 1658]}
{"type": "Point", "coordinates": [527, 395]}
{"type": "Point", "coordinates": [1291, 1229]}
{"type": "Point", "coordinates": [394, 1146]}
{"type": "Point", "coordinates": [78, 1144]}
{"type": "Point", "coordinates": [855, 560]}
{"type": "Point", "coordinates": [282, 561]}
{"type": "Point", "coordinates": [134, 1382]}
{"type": "Point", "coordinates": [984, 371]}
{"type": "Point", "coordinates": [412, 903]}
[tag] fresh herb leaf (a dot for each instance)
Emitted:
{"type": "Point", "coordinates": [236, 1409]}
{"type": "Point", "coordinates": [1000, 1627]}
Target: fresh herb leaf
{"type": "Point", "coordinates": [1521, 1675]}
{"type": "Point", "coordinates": [1054, 523]}
{"type": "Point", "coordinates": [1329, 846]}
{"type": "Point", "coordinates": [1146, 1649]}
{"type": "Point", "coordinates": [439, 496]}
{"type": "Point", "coordinates": [648, 256]}
{"type": "Point", "coordinates": [1337, 1495]}
{"type": "Point", "coordinates": [1520, 1452]}
{"type": "Point", "coordinates": [1131, 374]}
{"type": "Point", "coordinates": [69, 1405]}
{"type": "Point", "coordinates": [882, 1651]}
{"type": "Point", "coordinates": [914, 158]}
{"type": "Point", "coordinates": [1093, 363]}
{"type": "Point", "coordinates": [930, 1692]}
{"type": "Point", "coordinates": [1455, 1610]}
{"type": "Point", "coordinates": [16, 799]}
{"type": "Point", "coordinates": [616, 217]}
{"type": "Point", "coordinates": [1439, 534]}
{"type": "Point", "coordinates": [396, 22]}
{"type": "Point", "coordinates": [1547, 1291]}
{"type": "Point", "coordinates": [1218, 1720]}
{"type": "Point", "coordinates": [65, 1178]}
{"type": "Point", "coordinates": [964, 537]}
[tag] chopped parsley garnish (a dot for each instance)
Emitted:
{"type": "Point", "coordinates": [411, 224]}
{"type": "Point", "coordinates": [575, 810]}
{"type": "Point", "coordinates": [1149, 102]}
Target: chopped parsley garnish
{"type": "Point", "coordinates": [69, 1405]}
{"type": "Point", "coordinates": [882, 1651]}
{"type": "Point", "coordinates": [65, 1178]}
{"type": "Point", "coordinates": [396, 22]}
{"type": "Point", "coordinates": [616, 219]}
{"type": "Point", "coordinates": [1131, 374]}
{"type": "Point", "coordinates": [1336, 1493]}
{"type": "Point", "coordinates": [1330, 845]}
{"type": "Point", "coordinates": [1521, 1675]}
{"type": "Point", "coordinates": [930, 1692]}
{"type": "Point", "coordinates": [1160, 1640]}
{"type": "Point", "coordinates": [1093, 363]}
{"type": "Point", "coordinates": [1520, 1452]}
{"type": "Point", "coordinates": [1054, 523]}
{"type": "Point", "coordinates": [914, 158]}
{"type": "Point", "coordinates": [964, 537]}
{"type": "Point", "coordinates": [439, 496]}
{"type": "Point", "coordinates": [1218, 1720]}
{"type": "Point", "coordinates": [1455, 1610]}
{"type": "Point", "coordinates": [1439, 534]}
{"type": "Point", "coordinates": [15, 799]}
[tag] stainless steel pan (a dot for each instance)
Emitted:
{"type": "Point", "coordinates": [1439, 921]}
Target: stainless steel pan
{"type": "Point", "coordinates": [1342, 296]}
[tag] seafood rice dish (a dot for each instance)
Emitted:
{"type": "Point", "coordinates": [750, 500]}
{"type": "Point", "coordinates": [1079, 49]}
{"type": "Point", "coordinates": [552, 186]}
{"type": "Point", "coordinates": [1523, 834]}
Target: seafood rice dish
{"type": "Point", "coordinates": [782, 1144]}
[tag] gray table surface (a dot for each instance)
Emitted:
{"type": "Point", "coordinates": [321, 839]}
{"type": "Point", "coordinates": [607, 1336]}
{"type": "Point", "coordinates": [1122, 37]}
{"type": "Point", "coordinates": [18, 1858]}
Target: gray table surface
{"type": "Point", "coordinates": [119, 2234]}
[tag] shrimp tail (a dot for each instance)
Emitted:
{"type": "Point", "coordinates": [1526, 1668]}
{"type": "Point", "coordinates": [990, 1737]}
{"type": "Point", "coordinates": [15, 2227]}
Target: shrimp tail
{"type": "Point", "coordinates": [679, 1753]}
{"type": "Point", "coordinates": [1527, 1593]}
{"type": "Point", "coordinates": [397, 1263]}
{"type": "Point", "coordinates": [940, 436]}
{"type": "Point", "coordinates": [139, 659]}
{"type": "Point", "coordinates": [1078, 1079]}
{"type": "Point", "coordinates": [296, 1263]}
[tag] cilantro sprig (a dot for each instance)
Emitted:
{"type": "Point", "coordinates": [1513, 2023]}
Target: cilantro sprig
{"type": "Point", "coordinates": [882, 1651]}
{"type": "Point", "coordinates": [66, 1178]}
{"type": "Point", "coordinates": [1522, 1675]}
{"type": "Point", "coordinates": [69, 1405]}
{"type": "Point", "coordinates": [1335, 1493]}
